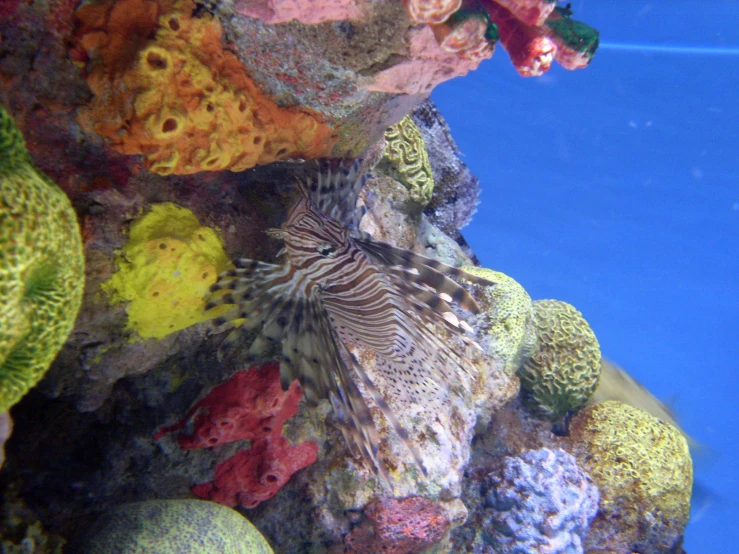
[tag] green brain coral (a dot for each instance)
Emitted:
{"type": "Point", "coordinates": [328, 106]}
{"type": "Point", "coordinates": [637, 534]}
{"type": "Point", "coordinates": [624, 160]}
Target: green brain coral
{"type": "Point", "coordinates": [642, 467]}
{"type": "Point", "coordinates": [405, 153]}
{"type": "Point", "coordinates": [563, 372]}
{"type": "Point", "coordinates": [165, 271]}
{"type": "Point", "coordinates": [174, 527]}
{"type": "Point", "coordinates": [42, 267]}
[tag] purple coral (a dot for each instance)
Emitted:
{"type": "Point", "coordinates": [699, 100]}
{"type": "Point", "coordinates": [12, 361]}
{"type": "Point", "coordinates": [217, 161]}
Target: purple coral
{"type": "Point", "coordinates": [540, 502]}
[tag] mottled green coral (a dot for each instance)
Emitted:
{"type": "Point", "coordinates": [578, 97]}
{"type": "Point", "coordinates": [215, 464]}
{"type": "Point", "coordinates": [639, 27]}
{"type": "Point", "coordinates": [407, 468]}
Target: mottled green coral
{"type": "Point", "coordinates": [405, 153]}
{"type": "Point", "coordinates": [42, 269]}
{"type": "Point", "coordinates": [642, 467]}
{"type": "Point", "coordinates": [165, 270]}
{"type": "Point", "coordinates": [174, 527]}
{"type": "Point", "coordinates": [507, 318]}
{"type": "Point", "coordinates": [562, 373]}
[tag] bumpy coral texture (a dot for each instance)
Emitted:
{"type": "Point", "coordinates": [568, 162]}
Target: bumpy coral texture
{"type": "Point", "coordinates": [643, 469]}
{"type": "Point", "coordinates": [540, 502]}
{"type": "Point", "coordinates": [174, 527]}
{"type": "Point", "coordinates": [394, 526]}
{"type": "Point", "coordinates": [530, 12]}
{"type": "Point", "coordinates": [405, 151]}
{"type": "Point", "coordinates": [251, 405]}
{"type": "Point", "coordinates": [305, 11]}
{"type": "Point", "coordinates": [530, 49]}
{"type": "Point", "coordinates": [165, 270]}
{"type": "Point", "coordinates": [42, 267]}
{"type": "Point", "coordinates": [507, 318]}
{"type": "Point", "coordinates": [576, 42]}
{"type": "Point", "coordinates": [563, 372]}
{"type": "Point", "coordinates": [166, 88]}
{"type": "Point", "coordinates": [431, 11]}
{"type": "Point", "coordinates": [467, 36]}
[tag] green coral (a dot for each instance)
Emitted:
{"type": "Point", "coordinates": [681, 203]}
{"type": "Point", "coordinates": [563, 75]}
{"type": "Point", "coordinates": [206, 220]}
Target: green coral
{"type": "Point", "coordinates": [42, 268]}
{"type": "Point", "coordinates": [165, 270]}
{"type": "Point", "coordinates": [405, 153]}
{"type": "Point", "coordinates": [174, 527]}
{"type": "Point", "coordinates": [563, 372]}
{"type": "Point", "coordinates": [642, 467]}
{"type": "Point", "coordinates": [507, 318]}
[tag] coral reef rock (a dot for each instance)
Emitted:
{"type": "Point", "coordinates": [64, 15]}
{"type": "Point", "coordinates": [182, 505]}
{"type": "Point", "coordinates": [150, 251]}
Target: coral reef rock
{"type": "Point", "coordinates": [539, 502]}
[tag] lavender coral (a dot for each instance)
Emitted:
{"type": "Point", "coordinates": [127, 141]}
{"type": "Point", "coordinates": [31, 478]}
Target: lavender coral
{"type": "Point", "coordinates": [540, 502]}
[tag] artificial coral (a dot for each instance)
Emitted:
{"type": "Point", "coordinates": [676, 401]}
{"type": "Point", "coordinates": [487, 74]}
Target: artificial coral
{"type": "Point", "coordinates": [165, 270]}
{"type": "Point", "coordinates": [42, 267]}
{"type": "Point", "coordinates": [166, 88]}
{"type": "Point", "coordinates": [174, 527]}
{"type": "Point", "coordinates": [251, 405]}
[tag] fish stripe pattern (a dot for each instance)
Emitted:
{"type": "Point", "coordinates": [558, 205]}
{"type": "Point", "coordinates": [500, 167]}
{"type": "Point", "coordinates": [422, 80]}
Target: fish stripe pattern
{"type": "Point", "coordinates": [336, 288]}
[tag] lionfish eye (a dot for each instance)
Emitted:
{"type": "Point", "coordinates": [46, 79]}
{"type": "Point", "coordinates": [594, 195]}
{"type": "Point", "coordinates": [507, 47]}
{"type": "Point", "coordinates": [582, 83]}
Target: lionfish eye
{"type": "Point", "coordinates": [328, 250]}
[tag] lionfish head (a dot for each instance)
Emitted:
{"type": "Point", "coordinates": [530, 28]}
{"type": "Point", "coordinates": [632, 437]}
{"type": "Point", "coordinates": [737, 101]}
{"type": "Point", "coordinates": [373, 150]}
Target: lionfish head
{"type": "Point", "coordinates": [311, 237]}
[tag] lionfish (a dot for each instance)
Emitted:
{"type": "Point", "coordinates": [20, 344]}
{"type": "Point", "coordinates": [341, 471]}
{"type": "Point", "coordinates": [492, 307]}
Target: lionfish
{"type": "Point", "coordinates": [336, 287]}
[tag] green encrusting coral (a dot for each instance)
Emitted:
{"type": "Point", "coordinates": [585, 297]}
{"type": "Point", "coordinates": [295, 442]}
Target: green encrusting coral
{"type": "Point", "coordinates": [563, 372]}
{"type": "Point", "coordinates": [165, 270]}
{"type": "Point", "coordinates": [174, 527]}
{"type": "Point", "coordinates": [42, 267]}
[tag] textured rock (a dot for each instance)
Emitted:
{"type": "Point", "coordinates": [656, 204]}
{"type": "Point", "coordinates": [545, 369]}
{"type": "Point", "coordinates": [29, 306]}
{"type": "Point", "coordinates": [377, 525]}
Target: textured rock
{"type": "Point", "coordinates": [562, 373]}
{"type": "Point", "coordinates": [643, 469]}
{"type": "Point", "coordinates": [540, 502]}
{"type": "Point", "coordinates": [174, 527]}
{"type": "Point", "coordinates": [456, 190]}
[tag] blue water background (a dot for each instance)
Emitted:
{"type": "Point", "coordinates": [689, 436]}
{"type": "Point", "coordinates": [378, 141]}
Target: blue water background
{"type": "Point", "coordinates": [616, 188]}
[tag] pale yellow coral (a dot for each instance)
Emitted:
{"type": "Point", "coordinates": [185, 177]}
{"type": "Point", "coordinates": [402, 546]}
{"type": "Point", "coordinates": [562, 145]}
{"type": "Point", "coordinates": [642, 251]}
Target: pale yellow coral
{"type": "Point", "coordinates": [405, 153]}
{"type": "Point", "coordinates": [642, 467]}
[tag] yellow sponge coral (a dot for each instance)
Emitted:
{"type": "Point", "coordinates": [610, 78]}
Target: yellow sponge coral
{"type": "Point", "coordinates": [563, 372]}
{"type": "Point", "coordinates": [405, 152]}
{"type": "Point", "coordinates": [42, 267]}
{"type": "Point", "coordinates": [178, 97]}
{"type": "Point", "coordinates": [165, 271]}
{"type": "Point", "coordinates": [643, 469]}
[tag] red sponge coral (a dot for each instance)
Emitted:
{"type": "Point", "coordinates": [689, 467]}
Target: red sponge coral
{"type": "Point", "coordinates": [250, 405]}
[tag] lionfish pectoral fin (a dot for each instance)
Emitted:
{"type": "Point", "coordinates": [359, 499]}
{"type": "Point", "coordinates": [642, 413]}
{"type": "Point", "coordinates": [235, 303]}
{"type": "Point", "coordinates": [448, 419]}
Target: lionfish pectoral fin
{"type": "Point", "coordinates": [421, 269]}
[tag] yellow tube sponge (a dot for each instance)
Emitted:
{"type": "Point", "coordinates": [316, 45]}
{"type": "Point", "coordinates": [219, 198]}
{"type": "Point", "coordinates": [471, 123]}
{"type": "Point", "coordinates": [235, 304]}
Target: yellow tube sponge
{"type": "Point", "coordinates": [165, 270]}
{"type": "Point", "coordinates": [563, 372]}
{"type": "Point", "coordinates": [643, 469]}
{"type": "Point", "coordinates": [42, 267]}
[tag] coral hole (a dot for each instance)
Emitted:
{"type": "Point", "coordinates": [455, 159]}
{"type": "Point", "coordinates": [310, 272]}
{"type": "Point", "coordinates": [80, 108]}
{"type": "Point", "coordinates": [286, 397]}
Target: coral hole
{"type": "Point", "coordinates": [174, 24]}
{"type": "Point", "coordinates": [282, 152]}
{"type": "Point", "coordinates": [169, 125]}
{"type": "Point", "coordinates": [209, 107]}
{"type": "Point", "coordinates": [257, 140]}
{"type": "Point", "coordinates": [271, 478]}
{"type": "Point", "coordinates": [162, 245]}
{"type": "Point", "coordinates": [242, 106]}
{"type": "Point", "coordinates": [156, 61]}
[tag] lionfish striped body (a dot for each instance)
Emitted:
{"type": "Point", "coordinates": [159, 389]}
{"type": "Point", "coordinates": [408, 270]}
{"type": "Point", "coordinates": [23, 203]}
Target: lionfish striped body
{"type": "Point", "coordinates": [337, 287]}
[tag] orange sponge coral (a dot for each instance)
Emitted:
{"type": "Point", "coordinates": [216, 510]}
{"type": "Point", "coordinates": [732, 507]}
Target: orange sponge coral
{"type": "Point", "coordinates": [165, 88]}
